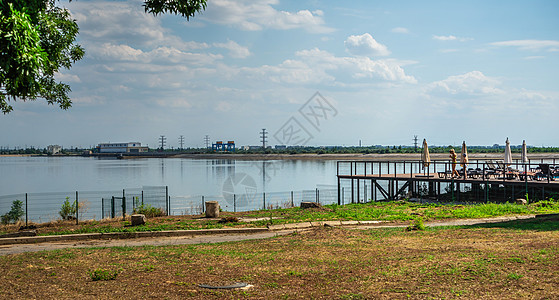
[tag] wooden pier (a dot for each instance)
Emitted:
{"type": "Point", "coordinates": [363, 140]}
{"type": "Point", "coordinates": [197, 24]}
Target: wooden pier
{"type": "Point", "coordinates": [391, 180]}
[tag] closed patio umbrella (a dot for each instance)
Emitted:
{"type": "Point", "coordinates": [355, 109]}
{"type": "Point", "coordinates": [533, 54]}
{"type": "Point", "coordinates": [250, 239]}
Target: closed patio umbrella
{"type": "Point", "coordinates": [425, 158]}
{"type": "Point", "coordinates": [508, 154]}
{"type": "Point", "coordinates": [464, 155]}
{"type": "Point", "coordinates": [464, 158]}
{"type": "Point", "coordinates": [524, 156]}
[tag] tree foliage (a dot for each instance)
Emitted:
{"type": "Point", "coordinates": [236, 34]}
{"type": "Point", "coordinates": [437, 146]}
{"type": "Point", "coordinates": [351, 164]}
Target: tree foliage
{"type": "Point", "coordinates": [185, 8]}
{"type": "Point", "coordinates": [37, 40]}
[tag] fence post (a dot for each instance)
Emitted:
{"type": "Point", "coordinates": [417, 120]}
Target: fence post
{"type": "Point", "coordinates": [77, 208]}
{"type": "Point", "coordinates": [112, 206]}
{"type": "Point", "coordinates": [264, 200]}
{"type": "Point", "coordinates": [292, 203]}
{"type": "Point", "coordinates": [203, 205]}
{"type": "Point", "coordinates": [142, 197]}
{"type": "Point", "coordinates": [167, 200]}
{"type": "Point", "coordinates": [123, 208]}
{"type": "Point", "coordinates": [234, 203]}
{"type": "Point", "coordinates": [102, 208]}
{"type": "Point", "coordinates": [26, 214]}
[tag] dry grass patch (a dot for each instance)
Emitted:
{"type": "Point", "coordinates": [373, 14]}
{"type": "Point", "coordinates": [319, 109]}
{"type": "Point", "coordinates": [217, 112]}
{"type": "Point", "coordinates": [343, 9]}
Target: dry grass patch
{"type": "Point", "coordinates": [451, 263]}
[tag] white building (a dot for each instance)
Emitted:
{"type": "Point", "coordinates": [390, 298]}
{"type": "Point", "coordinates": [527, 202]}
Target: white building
{"type": "Point", "coordinates": [131, 147]}
{"type": "Point", "coordinates": [54, 149]}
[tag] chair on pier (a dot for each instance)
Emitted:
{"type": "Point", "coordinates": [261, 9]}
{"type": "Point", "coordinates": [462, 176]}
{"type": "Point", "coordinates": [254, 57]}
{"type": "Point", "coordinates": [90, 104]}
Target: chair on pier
{"type": "Point", "coordinates": [475, 173]}
{"type": "Point", "coordinates": [545, 172]}
{"type": "Point", "coordinates": [491, 170]}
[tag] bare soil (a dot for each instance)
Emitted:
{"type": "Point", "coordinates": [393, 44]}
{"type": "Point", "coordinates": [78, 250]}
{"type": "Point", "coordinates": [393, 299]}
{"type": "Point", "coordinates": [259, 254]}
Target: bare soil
{"type": "Point", "coordinates": [326, 263]}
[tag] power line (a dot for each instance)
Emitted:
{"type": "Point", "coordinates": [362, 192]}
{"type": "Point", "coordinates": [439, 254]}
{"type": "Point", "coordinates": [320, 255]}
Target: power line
{"type": "Point", "coordinates": [263, 137]}
{"type": "Point", "coordinates": [181, 141]}
{"type": "Point", "coordinates": [415, 141]}
{"type": "Point", "coordinates": [162, 141]}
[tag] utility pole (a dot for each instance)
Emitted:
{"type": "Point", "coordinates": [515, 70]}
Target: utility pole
{"type": "Point", "coordinates": [263, 137]}
{"type": "Point", "coordinates": [415, 142]}
{"type": "Point", "coordinates": [162, 141]}
{"type": "Point", "coordinates": [181, 142]}
{"type": "Point", "coordinates": [207, 141]}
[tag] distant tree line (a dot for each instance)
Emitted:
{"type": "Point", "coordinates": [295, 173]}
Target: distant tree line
{"type": "Point", "coordinates": [302, 150]}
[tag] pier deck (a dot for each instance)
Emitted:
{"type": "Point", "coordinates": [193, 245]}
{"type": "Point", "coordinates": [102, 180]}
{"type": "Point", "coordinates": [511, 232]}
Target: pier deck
{"type": "Point", "coordinates": [365, 180]}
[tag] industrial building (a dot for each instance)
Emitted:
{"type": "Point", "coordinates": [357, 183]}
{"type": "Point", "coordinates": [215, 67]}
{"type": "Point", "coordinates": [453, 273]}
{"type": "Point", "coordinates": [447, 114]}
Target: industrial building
{"type": "Point", "coordinates": [131, 147]}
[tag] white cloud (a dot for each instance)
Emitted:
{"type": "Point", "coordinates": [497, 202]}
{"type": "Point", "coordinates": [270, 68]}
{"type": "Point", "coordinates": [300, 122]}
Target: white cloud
{"type": "Point", "coordinates": [317, 66]}
{"type": "Point", "coordinates": [252, 15]}
{"type": "Point", "coordinates": [157, 56]}
{"type": "Point", "coordinates": [365, 45]}
{"type": "Point", "coordinates": [532, 45]}
{"type": "Point", "coordinates": [473, 83]}
{"type": "Point", "coordinates": [450, 38]}
{"type": "Point", "coordinates": [64, 77]}
{"type": "Point", "coordinates": [534, 57]}
{"type": "Point", "coordinates": [235, 50]}
{"type": "Point", "coordinates": [400, 30]}
{"type": "Point", "coordinates": [117, 21]}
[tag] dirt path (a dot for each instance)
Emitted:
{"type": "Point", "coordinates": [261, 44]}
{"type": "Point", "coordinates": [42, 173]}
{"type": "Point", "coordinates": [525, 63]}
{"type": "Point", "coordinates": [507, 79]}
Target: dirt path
{"type": "Point", "coordinates": [219, 238]}
{"type": "Point", "coordinates": [159, 241]}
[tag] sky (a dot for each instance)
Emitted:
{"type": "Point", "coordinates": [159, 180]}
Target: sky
{"type": "Point", "coordinates": [310, 72]}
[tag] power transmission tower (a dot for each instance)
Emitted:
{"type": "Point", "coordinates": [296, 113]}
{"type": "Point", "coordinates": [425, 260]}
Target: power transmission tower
{"type": "Point", "coordinates": [181, 141]}
{"type": "Point", "coordinates": [207, 141]}
{"type": "Point", "coordinates": [162, 141]}
{"type": "Point", "coordinates": [415, 142]}
{"type": "Point", "coordinates": [263, 137]}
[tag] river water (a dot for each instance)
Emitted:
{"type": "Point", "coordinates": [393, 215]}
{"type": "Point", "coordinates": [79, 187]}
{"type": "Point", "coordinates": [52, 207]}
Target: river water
{"type": "Point", "coordinates": [238, 185]}
{"type": "Point", "coordinates": [187, 180]}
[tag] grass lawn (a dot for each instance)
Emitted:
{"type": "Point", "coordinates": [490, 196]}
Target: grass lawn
{"type": "Point", "coordinates": [395, 211]}
{"type": "Point", "coordinates": [510, 260]}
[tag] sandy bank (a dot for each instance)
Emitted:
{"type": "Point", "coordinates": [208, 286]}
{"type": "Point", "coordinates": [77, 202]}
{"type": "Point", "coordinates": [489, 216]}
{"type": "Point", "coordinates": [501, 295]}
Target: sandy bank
{"type": "Point", "coordinates": [357, 156]}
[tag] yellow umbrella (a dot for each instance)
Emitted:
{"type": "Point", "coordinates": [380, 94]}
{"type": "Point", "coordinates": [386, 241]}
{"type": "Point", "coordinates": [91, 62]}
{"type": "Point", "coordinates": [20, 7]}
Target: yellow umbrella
{"type": "Point", "coordinates": [425, 155]}
{"type": "Point", "coordinates": [464, 156]}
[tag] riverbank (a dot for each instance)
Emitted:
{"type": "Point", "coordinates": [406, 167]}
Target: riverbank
{"type": "Point", "coordinates": [534, 157]}
{"type": "Point", "coordinates": [358, 156]}
{"type": "Point", "coordinates": [512, 259]}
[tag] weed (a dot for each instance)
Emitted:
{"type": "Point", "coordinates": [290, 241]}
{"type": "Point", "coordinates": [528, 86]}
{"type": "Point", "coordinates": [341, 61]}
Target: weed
{"type": "Point", "coordinates": [15, 213]}
{"type": "Point", "coordinates": [352, 296]}
{"type": "Point", "coordinates": [149, 211]}
{"type": "Point", "coordinates": [272, 284]}
{"type": "Point", "coordinates": [514, 276]}
{"type": "Point", "coordinates": [67, 211]}
{"type": "Point", "coordinates": [417, 224]}
{"type": "Point", "coordinates": [295, 273]}
{"type": "Point", "coordinates": [103, 274]}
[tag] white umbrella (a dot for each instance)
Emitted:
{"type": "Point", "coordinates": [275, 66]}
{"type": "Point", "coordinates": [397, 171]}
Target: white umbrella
{"type": "Point", "coordinates": [524, 156]}
{"type": "Point", "coordinates": [425, 155]}
{"type": "Point", "coordinates": [508, 154]}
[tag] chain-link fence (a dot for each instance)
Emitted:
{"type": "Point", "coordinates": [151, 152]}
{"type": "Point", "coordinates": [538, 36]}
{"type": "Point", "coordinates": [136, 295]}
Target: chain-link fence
{"type": "Point", "coordinates": [249, 201]}
{"type": "Point", "coordinates": [95, 205]}
{"type": "Point", "coordinates": [83, 205]}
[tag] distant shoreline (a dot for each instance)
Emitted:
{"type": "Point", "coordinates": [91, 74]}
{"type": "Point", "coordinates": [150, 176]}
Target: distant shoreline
{"type": "Point", "coordinates": [359, 156]}
{"type": "Point", "coordinates": [314, 156]}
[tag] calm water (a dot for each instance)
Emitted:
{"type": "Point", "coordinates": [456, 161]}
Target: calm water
{"type": "Point", "coordinates": [185, 177]}
{"type": "Point", "coordinates": [236, 184]}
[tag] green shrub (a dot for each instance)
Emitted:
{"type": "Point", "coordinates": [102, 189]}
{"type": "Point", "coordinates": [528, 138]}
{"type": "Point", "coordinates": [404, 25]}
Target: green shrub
{"type": "Point", "coordinates": [15, 213]}
{"type": "Point", "coordinates": [149, 211]}
{"type": "Point", "coordinates": [417, 224]}
{"type": "Point", "coordinates": [103, 274]}
{"type": "Point", "coordinates": [68, 211]}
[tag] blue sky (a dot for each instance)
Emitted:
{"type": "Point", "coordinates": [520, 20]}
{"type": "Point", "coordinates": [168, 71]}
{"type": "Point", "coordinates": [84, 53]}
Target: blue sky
{"type": "Point", "coordinates": [447, 71]}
